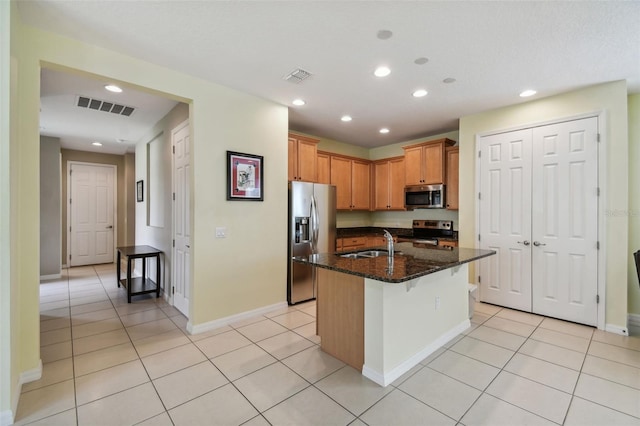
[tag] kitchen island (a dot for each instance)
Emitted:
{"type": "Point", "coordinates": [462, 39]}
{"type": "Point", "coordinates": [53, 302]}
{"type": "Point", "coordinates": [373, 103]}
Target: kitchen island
{"type": "Point", "coordinates": [383, 315]}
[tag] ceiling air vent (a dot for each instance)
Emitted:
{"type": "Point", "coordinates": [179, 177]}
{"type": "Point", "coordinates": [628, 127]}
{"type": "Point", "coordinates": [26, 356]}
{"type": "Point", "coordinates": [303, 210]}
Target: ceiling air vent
{"type": "Point", "coordinates": [105, 106]}
{"type": "Point", "coordinates": [297, 76]}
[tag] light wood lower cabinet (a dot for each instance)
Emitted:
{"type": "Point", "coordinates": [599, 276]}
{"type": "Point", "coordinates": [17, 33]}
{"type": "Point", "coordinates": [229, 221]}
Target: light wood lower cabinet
{"type": "Point", "coordinates": [448, 243]}
{"type": "Point", "coordinates": [350, 243]}
{"type": "Point", "coordinates": [340, 316]}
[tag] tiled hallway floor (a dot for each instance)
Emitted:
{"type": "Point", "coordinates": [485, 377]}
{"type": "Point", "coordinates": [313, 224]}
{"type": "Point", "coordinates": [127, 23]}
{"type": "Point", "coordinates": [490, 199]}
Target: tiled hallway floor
{"type": "Point", "coordinates": [107, 362]}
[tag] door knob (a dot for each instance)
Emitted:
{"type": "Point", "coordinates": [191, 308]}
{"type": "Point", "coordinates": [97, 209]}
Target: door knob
{"type": "Point", "coordinates": [110, 226]}
{"type": "Point", "coordinates": [525, 242]}
{"type": "Point", "coordinates": [538, 243]}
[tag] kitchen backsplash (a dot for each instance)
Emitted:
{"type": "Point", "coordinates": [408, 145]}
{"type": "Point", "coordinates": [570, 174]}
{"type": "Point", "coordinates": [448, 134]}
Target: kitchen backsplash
{"type": "Point", "coordinates": [395, 219]}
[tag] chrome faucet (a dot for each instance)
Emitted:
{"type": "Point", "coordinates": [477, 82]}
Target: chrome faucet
{"type": "Point", "coordinates": [389, 238]}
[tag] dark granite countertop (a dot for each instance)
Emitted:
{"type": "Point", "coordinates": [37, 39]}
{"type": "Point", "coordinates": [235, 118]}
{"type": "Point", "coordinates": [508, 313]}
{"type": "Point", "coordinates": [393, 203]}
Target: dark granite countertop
{"type": "Point", "coordinates": [409, 262]}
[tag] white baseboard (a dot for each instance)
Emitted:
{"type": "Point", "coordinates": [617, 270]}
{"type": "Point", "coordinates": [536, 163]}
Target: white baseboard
{"type": "Point", "coordinates": [221, 322]}
{"type": "Point", "coordinates": [50, 277]}
{"type": "Point", "coordinates": [634, 324]}
{"type": "Point", "coordinates": [65, 266]}
{"type": "Point", "coordinates": [6, 418]}
{"type": "Point", "coordinates": [31, 375]}
{"type": "Point", "coordinates": [634, 320]}
{"type": "Point", "coordinates": [611, 328]}
{"type": "Point", "coordinates": [386, 379]}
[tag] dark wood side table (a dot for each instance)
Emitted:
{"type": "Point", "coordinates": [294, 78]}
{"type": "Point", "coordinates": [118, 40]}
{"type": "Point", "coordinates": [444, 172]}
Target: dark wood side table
{"type": "Point", "coordinates": [139, 285]}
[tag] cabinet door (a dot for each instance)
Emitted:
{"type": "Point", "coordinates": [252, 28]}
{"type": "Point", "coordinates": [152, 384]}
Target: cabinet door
{"type": "Point", "coordinates": [307, 161]}
{"type": "Point", "coordinates": [341, 178]}
{"type": "Point", "coordinates": [452, 183]}
{"type": "Point", "coordinates": [324, 168]}
{"type": "Point", "coordinates": [360, 185]}
{"type": "Point", "coordinates": [293, 159]}
{"type": "Point", "coordinates": [413, 165]}
{"type": "Point", "coordinates": [381, 185]}
{"type": "Point", "coordinates": [396, 184]}
{"type": "Point", "coordinates": [434, 163]}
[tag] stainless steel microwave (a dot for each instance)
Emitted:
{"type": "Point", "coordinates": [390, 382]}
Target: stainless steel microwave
{"type": "Point", "coordinates": [424, 197]}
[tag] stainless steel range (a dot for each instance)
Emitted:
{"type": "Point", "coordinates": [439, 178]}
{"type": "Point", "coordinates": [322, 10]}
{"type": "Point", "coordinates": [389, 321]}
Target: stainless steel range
{"type": "Point", "coordinates": [429, 231]}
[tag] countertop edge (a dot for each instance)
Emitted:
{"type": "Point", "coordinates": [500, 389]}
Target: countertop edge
{"type": "Point", "coordinates": [392, 280]}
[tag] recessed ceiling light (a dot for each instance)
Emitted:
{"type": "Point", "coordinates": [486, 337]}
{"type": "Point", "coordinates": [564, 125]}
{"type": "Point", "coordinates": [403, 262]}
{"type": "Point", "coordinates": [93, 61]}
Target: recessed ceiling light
{"type": "Point", "coordinates": [384, 130]}
{"type": "Point", "coordinates": [298, 102]}
{"type": "Point", "coordinates": [346, 118]}
{"type": "Point", "coordinates": [113, 88]}
{"type": "Point", "coordinates": [421, 61]}
{"type": "Point", "coordinates": [419, 93]}
{"type": "Point", "coordinates": [527, 93]}
{"type": "Point", "coordinates": [384, 34]}
{"type": "Point", "coordinates": [96, 144]}
{"type": "Point", "coordinates": [449, 80]}
{"type": "Point", "coordinates": [382, 71]}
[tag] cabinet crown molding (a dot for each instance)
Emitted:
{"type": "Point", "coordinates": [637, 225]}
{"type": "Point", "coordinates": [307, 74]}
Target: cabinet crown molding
{"type": "Point", "coordinates": [303, 138]}
{"type": "Point", "coordinates": [447, 142]}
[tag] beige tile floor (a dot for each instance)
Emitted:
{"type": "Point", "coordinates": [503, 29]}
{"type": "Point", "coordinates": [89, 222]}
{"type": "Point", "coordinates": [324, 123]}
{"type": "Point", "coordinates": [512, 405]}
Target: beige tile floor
{"type": "Point", "coordinates": [107, 362]}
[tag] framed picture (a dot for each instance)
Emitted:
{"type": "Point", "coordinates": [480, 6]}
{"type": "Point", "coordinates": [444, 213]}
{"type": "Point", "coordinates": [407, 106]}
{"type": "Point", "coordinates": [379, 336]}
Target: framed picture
{"type": "Point", "coordinates": [140, 190]}
{"type": "Point", "coordinates": [244, 177]}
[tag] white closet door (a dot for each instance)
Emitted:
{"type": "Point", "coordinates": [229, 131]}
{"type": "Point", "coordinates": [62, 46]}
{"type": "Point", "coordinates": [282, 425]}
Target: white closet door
{"type": "Point", "coordinates": [565, 220]}
{"type": "Point", "coordinates": [182, 225]}
{"type": "Point", "coordinates": [505, 219]}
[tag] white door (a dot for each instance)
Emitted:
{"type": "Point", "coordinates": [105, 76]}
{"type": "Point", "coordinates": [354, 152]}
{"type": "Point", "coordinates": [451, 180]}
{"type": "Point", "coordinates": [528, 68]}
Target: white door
{"type": "Point", "coordinates": [505, 219]}
{"type": "Point", "coordinates": [539, 210]}
{"type": "Point", "coordinates": [565, 220]}
{"type": "Point", "coordinates": [91, 214]}
{"type": "Point", "coordinates": [181, 217]}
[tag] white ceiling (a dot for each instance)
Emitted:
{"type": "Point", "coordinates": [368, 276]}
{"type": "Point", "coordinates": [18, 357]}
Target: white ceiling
{"type": "Point", "coordinates": [493, 49]}
{"type": "Point", "coordinates": [79, 127]}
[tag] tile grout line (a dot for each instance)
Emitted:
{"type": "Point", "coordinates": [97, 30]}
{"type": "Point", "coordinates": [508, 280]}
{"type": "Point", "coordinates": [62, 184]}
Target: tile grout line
{"type": "Point", "coordinates": [139, 357]}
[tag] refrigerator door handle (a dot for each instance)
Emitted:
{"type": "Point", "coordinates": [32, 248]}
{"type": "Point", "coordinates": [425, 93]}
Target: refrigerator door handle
{"type": "Point", "coordinates": [315, 226]}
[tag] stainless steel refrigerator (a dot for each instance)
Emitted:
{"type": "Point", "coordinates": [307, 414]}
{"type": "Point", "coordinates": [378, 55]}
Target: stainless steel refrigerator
{"type": "Point", "coordinates": [312, 230]}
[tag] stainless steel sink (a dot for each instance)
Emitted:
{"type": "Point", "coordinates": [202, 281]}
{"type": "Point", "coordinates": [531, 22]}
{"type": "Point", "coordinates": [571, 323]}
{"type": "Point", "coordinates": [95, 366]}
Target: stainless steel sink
{"type": "Point", "coordinates": [367, 254]}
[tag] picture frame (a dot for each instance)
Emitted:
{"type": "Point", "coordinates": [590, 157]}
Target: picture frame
{"type": "Point", "coordinates": [245, 177]}
{"type": "Point", "coordinates": [140, 190]}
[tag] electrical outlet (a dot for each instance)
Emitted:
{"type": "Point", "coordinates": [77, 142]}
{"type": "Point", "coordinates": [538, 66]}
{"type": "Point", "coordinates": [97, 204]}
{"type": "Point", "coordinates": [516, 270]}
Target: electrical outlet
{"type": "Point", "coordinates": [221, 232]}
{"type": "Point", "coordinates": [437, 302]}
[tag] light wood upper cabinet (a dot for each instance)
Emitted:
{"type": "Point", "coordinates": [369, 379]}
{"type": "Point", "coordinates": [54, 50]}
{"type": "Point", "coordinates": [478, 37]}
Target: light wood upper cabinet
{"type": "Point", "coordinates": [389, 177]}
{"type": "Point", "coordinates": [303, 158]}
{"type": "Point", "coordinates": [425, 162]}
{"type": "Point", "coordinates": [324, 167]}
{"type": "Point", "coordinates": [453, 179]}
{"type": "Point", "coordinates": [352, 178]}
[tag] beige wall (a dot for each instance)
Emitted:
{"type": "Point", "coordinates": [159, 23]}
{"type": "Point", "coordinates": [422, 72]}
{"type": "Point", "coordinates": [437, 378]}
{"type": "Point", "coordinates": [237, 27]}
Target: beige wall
{"type": "Point", "coordinates": [633, 290]}
{"type": "Point", "coordinates": [121, 199]}
{"type": "Point", "coordinates": [158, 237]}
{"type": "Point", "coordinates": [221, 119]}
{"type": "Point", "coordinates": [611, 98]}
{"type": "Point", "coordinates": [130, 199]}
{"type": "Point", "coordinates": [9, 321]}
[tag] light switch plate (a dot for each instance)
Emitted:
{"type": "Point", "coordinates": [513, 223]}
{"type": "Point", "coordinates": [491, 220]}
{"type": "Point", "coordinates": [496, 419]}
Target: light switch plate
{"type": "Point", "coordinates": [221, 232]}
